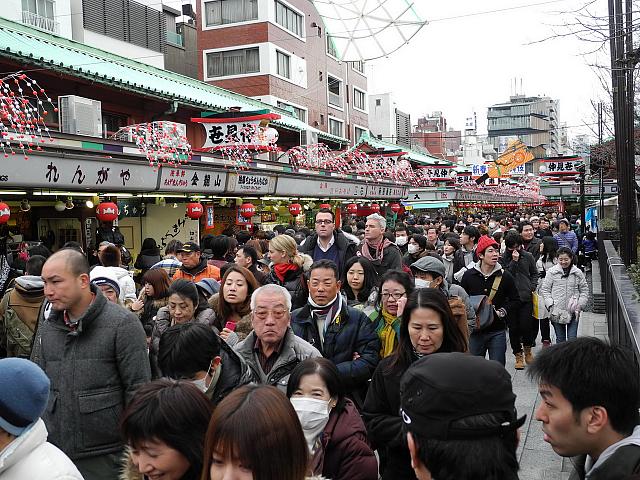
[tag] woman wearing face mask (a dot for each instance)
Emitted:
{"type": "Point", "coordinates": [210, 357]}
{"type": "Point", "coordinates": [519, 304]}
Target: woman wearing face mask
{"type": "Point", "coordinates": [451, 246]}
{"type": "Point", "coordinates": [427, 327]}
{"type": "Point", "coordinates": [184, 306]}
{"type": "Point", "coordinates": [566, 293]}
{"type": "Point", "coordinates": [164, 427]}
{"type": "Point", "coordinates": [395, 287]}
{"type": "Point", "coordinates": [416, 249]}
{"type": "Point", "coordinates": [359, 284]}
{"type": "Point", "coordinates": [255, 434]}
{"type": "Point", "coordinates": [335, 434]}
{"type": "Point", "coordinates": [232, 305]}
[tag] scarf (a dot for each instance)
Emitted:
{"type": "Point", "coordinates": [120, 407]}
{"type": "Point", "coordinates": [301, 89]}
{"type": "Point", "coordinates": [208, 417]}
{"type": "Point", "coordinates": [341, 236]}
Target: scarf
{"type": "Point", "coordinates": [331, 310]}
{"type": "Point", "coordinates": [281, 269]}
{"type": "Point", "coordinates": [379, 249]}
{"type": "Point", "coordinates": [388, 330]}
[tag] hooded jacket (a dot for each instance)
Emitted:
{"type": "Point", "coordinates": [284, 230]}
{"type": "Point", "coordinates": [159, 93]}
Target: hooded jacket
{"type": "Point", "coordinates": [31, 456]}
{"type": "Point", "coordinates": [346, 248]}
{"type": "Point", "coordinates": [127, 285]}
{"type": "Point", "coordinates": [292, 352]}
{"type": "Point", "coordinates": [344, 452]}
{"type": "Point", "coordinates": [25, 299]}
{"type": "Point", "coordinates": [477, 283]}
{"type": "Point", "coordinates": [557, 288]}
{"type": "Point", "coordinates": [94, 371]}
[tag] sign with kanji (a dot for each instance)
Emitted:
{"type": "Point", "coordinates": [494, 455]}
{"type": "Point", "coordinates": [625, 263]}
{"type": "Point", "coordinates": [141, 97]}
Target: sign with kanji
{"type": "Point", "coordinates": [560, 166]}
{"type": "Point", "coordinates": [237, 128]}
{"type": "Point", "coordinates": [251, 183]}
{"type": "Point", "coordinates": [131, 207]}
{"type": "Point", "coordinates": [516, 154]}
{"type": "Point", "coordinates": [191, 180]}
{"type": "Point", "coordinates": [438, 173]}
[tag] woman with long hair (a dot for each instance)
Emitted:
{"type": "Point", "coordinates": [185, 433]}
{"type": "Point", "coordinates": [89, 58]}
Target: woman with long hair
{"type": "Point", "coordinates": [255, 434]}
{"type": "Point", "coordinates": [451, 246]}
{"type": "Point", "coordinates": [427, 326]}
{"type": "Point", "coordinates": [359, 281]}
{"type": "Point", "coordinates": [153, 296]}
{"type": "Point", "coordinates": [183, 306]}
{"type": "Point", "coordinates": [164, 426]}
{"type": "Point", "coordinates": [394, 288]}
{"type": "Point", "coordinates": [287, 269]}
{"type": "Point", "coordinates": [232, 305]}
{"type": "Point", "coordinates": [548, 258]}
{"type": "Point", "coordinates": [332, 426]}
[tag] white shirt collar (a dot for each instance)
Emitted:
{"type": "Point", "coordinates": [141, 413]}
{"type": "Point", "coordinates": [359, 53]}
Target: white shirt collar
{"type": "Point", "coordinates": [330, 244]}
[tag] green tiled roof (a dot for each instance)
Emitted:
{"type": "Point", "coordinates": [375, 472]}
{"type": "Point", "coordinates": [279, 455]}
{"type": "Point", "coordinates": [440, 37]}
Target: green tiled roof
{"type": "Point", "coordinates": [421, 158]}
{"type": "Point", "coordinates": [28, 45]}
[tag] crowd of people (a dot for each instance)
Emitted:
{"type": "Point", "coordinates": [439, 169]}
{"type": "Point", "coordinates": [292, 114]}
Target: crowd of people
{"type": "Point", "coordinates": [338, 353]}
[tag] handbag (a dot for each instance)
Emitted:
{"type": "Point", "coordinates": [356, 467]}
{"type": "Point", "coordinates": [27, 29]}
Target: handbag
{"type": "Point", "coordinates": [483, 307]}
{"type": "Point", "coordinates": [540, 310]}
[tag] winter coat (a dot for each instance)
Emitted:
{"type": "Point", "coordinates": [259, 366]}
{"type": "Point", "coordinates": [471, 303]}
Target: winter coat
{"type": "Point", "coordinates": [557, 288]}
{"type": "Point", "coordinates": [391, 258]}
{"type": "Point", "coordinates": [524, 272]}
{"type": "Point", "coordinates": [258, 275]}
{"type": "Point", "coordinates": [30, 456]}
{"type": "Point", "coordinates": [147, 259]}
{"type": "Point", "coordinates": [462, 260]}
{"type": "Point", "coordinates": [25, 299]}
{"type": "Point", "coordinates": [94, 371]}
{"type": "Point", "coordinates": [293, 351]}
{"type": "Point", "coordinates": [243, 327]}
{"type": "Point", "coordinates": [477, 283]}
{"type": "Point", "coordinates": [567, 239]}
{"type": "Point", "coordinates": [162, 322]}
{"type": "Point", "coordinates": [533, 247]}
{"type": "Point", "coordinates": [346, 248]}
{"type": "Point", "coordinates": [410, 258]}
{"type": "Point", "coordinates": [149, 311]}
{"type": "Point", "coordinates": [463, 312]}
{"type": "Point", "coordinates": [449, 263]}
{"type": "Point", "coordinates": [235, 373]}
{"type": "Point", "coordinates": [127, 285]}
{"type": "Point", "coordinates": [344, 452]}
{"type": "Point", "coordinates": [197, 273]}
{"type": "Point", "coordinates": [295, 283]}
{"type": "Point", "coordinates": [384, 424]}
{"type": "Point", "coordinates": [351, 331]}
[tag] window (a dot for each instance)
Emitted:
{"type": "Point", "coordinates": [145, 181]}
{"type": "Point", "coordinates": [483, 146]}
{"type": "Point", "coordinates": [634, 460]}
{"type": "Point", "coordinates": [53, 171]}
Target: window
{"type": "Point", "coordinates": [335, 127]}
{"type": "Point", "coordinates": [112, 122]}
{"type": "Point", "coordinates": [284, 64]}
{"type": "Point", "coordinates": [40, 14]}
{"type": "Point", "coordinates": [358, 66]}
{"type": "Point", "coordinates": [222, 12]}
{"type": "Point", "coordinates": [233, 62]}
{"type": "Point", "coordinates": [358, 132]}
{"type": "Point", "coordinates": [331, 47]}
{"type": "Point", "coordinates": [335, 91]}
{"type": "Point", "coordinates": [378, 102]}
{"type": "Point", "coordinates": [299, 113]}
{"type": "Point", "coordinates": [359, 99]}
{"type": "Point", "coordinates": [289, 19]}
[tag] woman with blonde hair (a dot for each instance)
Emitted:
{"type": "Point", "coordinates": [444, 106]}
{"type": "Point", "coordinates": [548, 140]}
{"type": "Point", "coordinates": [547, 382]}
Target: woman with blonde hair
{"type": "Point", "coordinates": [288, 269]}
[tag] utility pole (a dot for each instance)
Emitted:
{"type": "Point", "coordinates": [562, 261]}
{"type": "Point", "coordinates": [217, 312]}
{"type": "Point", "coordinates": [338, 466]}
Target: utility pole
{"type": "Point", "coordinates": [601, 185]}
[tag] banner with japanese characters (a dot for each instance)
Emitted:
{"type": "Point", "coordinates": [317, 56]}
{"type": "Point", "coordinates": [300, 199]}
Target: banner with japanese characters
{"type": "Point", "coordinates": [231, 129]}
{"type": "Point", "coordinates": [438, 173]}
{"type": "Point", "coordinates": [562, 166]}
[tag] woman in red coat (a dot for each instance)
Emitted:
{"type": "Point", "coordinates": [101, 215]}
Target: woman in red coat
{"type": "Point", "coordinates": [335, 433]}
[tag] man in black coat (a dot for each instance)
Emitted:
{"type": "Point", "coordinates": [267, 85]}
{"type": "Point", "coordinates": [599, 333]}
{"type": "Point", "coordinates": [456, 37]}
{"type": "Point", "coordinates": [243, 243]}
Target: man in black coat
{"type": "Point", "coordinates": [529, 241]}
{"type": "Point", "coordinates": [328, 243]}
{"type": "Point", "coordinates": [342, 334]}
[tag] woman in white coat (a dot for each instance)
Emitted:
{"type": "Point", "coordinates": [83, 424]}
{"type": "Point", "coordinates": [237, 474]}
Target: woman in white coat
{"type": "Point", "coordinates": [565, 293]}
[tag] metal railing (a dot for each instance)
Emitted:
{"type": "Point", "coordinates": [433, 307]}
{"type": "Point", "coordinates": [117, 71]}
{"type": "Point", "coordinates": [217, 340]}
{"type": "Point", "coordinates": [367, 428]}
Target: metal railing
{"type": "Point", "coordinates": [335, 100]}
{"type": "Point", "coordinates": [175, 38]}
{"type": "Point", "coordinates": [622, 299]}
{"type": "Point", "coordinates": [38, 21]}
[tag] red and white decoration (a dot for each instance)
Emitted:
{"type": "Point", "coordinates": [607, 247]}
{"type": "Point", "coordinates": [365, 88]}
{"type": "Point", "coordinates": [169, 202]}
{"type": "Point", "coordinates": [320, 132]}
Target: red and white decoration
{"type": "Point", "coordinates": [247, 210]}
{"type": "Point", "coordinates": [295, 209]}
{"type": "Point", "coordinates": [194, 210]}
{"type": "Point", "coordinates": [395, 207]}
{"type": "Point", "coordinates": [5, 213]}
{"type": "Point", "coordinates": [107, 212]}
{"type": "Point", "coordinates": [375, 208]}
{"type": "Point", "coordinates": [352, 209]}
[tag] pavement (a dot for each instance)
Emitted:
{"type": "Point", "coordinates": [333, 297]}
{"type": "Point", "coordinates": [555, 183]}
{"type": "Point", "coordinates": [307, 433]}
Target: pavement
{"type": "Point", "coordinates": [537, 460]}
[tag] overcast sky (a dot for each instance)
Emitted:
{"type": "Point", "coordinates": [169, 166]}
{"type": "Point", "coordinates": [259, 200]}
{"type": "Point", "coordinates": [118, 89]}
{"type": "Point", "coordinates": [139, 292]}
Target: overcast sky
{"type": "Point", "coordinates": [458, 65]}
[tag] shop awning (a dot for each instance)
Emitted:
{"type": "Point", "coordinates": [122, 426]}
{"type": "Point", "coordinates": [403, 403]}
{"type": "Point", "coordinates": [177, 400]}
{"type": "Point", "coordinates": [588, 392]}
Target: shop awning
{"type": "Point", "coordinates": [386, 147]}
{"type": "Point", "coordinates": [30, 46]}
{"type": "Point", "coordinates": [424, 205]}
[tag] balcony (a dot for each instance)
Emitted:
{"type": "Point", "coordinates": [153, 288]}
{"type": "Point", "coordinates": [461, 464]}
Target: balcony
{"type": "Point", "coordinates": [175, 38]}
{"type": "Point", "coordinates": [335, 100]}
{"type": "Point", "coordinates": [38, 21]}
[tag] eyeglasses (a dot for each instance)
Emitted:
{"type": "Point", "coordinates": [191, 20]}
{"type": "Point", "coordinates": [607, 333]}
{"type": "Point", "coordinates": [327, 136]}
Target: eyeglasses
{"type": "Point", "coordinates": [326, 222]}
{"type": "Point", "coordinates": [395, 296]}
{"type": "Point", "coordinates": [278, 313]}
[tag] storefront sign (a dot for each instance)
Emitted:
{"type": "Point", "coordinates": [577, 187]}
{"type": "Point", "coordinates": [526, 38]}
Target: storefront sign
{"type": "Point", "coordinates": [562, 167]}
{"type": "Point", "coordinates": [483, 169]}
{"type": "Point", "coordinates": [437, 173]}
{"type": "Point", "coordinates": [131, 207]}
{"type": "Point", "coordinates": [45, 171]}
{"type": "Point", "coordinates": [251, 183]}
{"type": "Point", "coordinates": [90, 229]}
{"type": "Point", "coordinates": [386, 191]}
{"type": "Point", "coordinates": [209, 219]}
{"type": "Point", "coordinates": [249, 129]}
{"type": "Point", "coordinates": [317, 187]}
{"type": "Point", "coordinates": [191, 180]}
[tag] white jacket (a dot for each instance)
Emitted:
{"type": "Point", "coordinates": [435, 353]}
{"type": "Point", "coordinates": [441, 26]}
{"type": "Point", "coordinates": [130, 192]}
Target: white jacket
{"type": "Point", "coordinates": [30, 456]}
{"type": "Point", "coordinates": [558, 289]}
{"type": "Point", "coordinates": [127, 285]}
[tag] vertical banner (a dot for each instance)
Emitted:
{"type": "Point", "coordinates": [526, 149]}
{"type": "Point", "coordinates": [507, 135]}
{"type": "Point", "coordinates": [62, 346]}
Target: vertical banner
{"type": "Point", "coordinates": [209, 217]}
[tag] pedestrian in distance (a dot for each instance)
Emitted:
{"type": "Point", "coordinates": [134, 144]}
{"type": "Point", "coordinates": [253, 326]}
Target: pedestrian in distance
{"type": "Point", "coordinates": [194, 266]}
{"type": "Point", "coordinates": [287, 269]}
{"type": "Point", "coordinates": [379, 250]}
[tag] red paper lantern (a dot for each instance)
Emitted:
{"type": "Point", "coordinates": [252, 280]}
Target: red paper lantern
{"type": "Point", "coordinates": [194, 210]}
{"type": "Point", "coordinates": [395, 208]}
{"type": "Point", "coordinates": [5, 212]}
{"type": "Point", "coordinates": [247, 210]}
{"type": "Point", "coordinates": [295, 209]}
{"type": "Point", "coordinates": [375, 208]}
{"type": "Point", "coordinates": [352, 209]}
{"type": "Point", "coordinates": [107, 212]}
{"type": "Point", "coordinates": [325, 205]}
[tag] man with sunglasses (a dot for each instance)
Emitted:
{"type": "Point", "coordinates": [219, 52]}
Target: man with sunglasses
{"type": "Point", "coordinates": [329, 242]}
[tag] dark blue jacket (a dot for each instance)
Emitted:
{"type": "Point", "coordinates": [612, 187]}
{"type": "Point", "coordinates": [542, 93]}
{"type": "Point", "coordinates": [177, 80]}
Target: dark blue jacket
{"type": "Point", "coordinates": [350, 332]}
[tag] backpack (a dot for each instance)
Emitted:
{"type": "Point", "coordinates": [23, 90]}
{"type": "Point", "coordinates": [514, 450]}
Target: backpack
{"type": "Point", "coordinates": [16, 336]}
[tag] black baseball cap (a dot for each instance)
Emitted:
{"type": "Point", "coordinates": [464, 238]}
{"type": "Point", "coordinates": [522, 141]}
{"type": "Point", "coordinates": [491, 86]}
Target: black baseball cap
{"type": "Point", "coordinates": [441, 388]}
{"type": "Point", "coordinates": [189, 247]}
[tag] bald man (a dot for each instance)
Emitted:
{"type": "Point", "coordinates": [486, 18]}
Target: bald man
{"type": "Point", "coordinates": [95, 354]}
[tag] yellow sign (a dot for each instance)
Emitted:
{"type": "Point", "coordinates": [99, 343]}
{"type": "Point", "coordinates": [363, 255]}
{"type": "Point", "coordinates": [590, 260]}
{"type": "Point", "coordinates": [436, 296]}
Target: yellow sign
{"type": "Point", "coordinates": [515, 155]}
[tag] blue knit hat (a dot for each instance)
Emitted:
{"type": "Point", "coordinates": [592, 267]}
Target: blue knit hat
{"type": "Point", "coordinates": [24, 392]}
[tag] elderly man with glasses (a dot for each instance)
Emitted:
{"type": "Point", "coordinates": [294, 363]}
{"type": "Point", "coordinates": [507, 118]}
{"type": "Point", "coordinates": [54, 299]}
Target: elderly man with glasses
{"type": "Point", "coordinates": [272, 350]}
{"type": "Point", "coordinates": [329, 242]}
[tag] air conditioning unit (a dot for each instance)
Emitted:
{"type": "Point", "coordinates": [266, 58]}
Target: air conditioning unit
{"type": "Point", "coordinates": [80, 116]}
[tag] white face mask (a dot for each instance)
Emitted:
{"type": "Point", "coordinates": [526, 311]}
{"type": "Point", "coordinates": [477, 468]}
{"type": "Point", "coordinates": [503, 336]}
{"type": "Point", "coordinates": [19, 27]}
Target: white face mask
{"type": "Point", "coordinates": [422, 283]}
{"type": "Point", "coordinates": [412, 248]}
{"type": "Point", "coordinates": [400, 241]}
{"type": "Point", "coordinates": [314, 416]}
{"type": "Point", "coordinates": [201, 384]}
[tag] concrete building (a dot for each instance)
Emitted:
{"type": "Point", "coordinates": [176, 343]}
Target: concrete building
{"type": "Point", "coordinates": [432, 133]}
{"type": "Point", "coordinates": [534, 120]}
{"type": "Point", "coordinates": [279, 52]}
{"type": "Point", "coordinates": [387, 122]}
